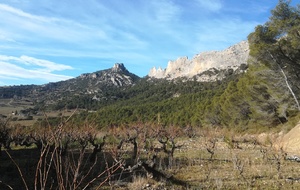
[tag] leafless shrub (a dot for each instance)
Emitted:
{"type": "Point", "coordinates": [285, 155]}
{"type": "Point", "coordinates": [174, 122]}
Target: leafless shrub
{"type": "Point", "coordinates": [210, 147]}
{"type": "Point", "coordinates": [166, 137]}
{"type": "Point", "coordinates": [6, 185]}
{"type": "Point", "coordinates": [238, 165]}
{"type": "Point", "coordinates": [207, 171]}
{"type": "Point", "coordinates": [139, 182]}
{"type": "Point", "coordinates": [19, 170]}
{"type": "Point", "coordinates": [4, 134]}
{"type": "Point", "coordinates": [264, 151]}
{"type": "Point", "coordinates": [278, 159]}
{"type": "Point", "coordinates": [74, 167]}
{"type": "Point", "coordinates": [65, 160]}
{"type": "Point", "coordinates": [190, 131]}
{"type": "Point", "coordinates": [69, 154]}
{"type": "Point", "coordinates": [144, 141]}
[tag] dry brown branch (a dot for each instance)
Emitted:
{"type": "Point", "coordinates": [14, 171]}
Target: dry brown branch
{"type": "Point", "coordinates": [238, 165]}
{"type": "Point", "coordinates": [210, 147]}
{"type": "Point", "coordinates": [8, 186]}
{"type": "Point", "coordinates": [114, 168]}
{"type": "Point", "coordinates": [19, 169]}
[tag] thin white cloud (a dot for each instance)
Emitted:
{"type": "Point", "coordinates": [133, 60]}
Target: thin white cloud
{"type": "Point", "coordinates": [47, 65]}
{"type": "Point", "coordinates": [58, 33]}
{"type": "Point", "coordinates": [19, 72]}
{"type": "Point", "coordinates": [6, 78]}
{"type": "Point", "coordinates": [165, 11]}
{"type": "Point", "coordinates": [44, 64]}
{"type": "Point", "coordinates": [221, 32]}
{"type": "Point", "coordinates": [118, 33]}
{"type": "Point", "coordinates": [11, 67]}
{"type": "Point", "coordinates": [6, 39]}
{"type": "Point", "coordinates": [18, 12]}
{"type": "Point", "coordinates": [48, 28]}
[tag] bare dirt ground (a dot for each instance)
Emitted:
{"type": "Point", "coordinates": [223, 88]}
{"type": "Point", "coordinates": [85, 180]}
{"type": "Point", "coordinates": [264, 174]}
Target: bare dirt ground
{"type": "Point", "coordinates": [244, 164]}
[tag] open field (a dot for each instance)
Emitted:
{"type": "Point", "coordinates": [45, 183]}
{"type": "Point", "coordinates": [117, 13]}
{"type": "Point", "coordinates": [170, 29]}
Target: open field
{"type": "Point", "coordinates": [12, 109]}
{"type": "Point", "coordinates": [241, 166]}
{"type": "Point", "coordinates": [7, 106]}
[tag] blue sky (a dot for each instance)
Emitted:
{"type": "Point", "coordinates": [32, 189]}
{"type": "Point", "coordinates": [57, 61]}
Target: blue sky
{"type": "Point", "coordinates": [45, 41]}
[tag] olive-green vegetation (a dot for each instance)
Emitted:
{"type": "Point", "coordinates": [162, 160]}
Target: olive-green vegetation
{"type": "Point", "coordinates": [161, 102]}
{"type": "Point", "coordinates": [276, 44]}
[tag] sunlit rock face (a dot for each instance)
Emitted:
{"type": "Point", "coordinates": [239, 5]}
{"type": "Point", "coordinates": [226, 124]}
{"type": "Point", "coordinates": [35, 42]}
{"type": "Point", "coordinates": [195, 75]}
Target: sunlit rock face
{"type": "Point", "coordinates": [230, 58]}
{"type": "Point", "coordinates": [157, 73]}
{"type": "Point", "coordinates": [119, 67]}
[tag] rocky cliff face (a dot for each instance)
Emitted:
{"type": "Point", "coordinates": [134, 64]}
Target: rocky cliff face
{"type": "Point", "coordinates": [118, 75]}
{"type": "Point", "coordinates": [231, 58]}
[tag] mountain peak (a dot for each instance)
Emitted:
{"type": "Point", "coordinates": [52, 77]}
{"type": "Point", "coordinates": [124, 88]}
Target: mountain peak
{"type": "Point", "coordinates": [118, 75]}
{"type": "Point", "coordinates": [119, 67]}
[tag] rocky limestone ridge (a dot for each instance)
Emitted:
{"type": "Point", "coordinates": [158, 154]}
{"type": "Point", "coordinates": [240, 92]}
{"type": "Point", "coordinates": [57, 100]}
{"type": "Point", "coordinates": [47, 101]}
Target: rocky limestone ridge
{"type": "Point", "coordinates": [230, 58]}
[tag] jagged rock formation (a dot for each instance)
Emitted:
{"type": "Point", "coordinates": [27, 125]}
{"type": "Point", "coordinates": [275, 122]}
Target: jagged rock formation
{"type": "Point", "coordinates": [118, 75]}
{"type": "Point", "coordinates": [230, 58]}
